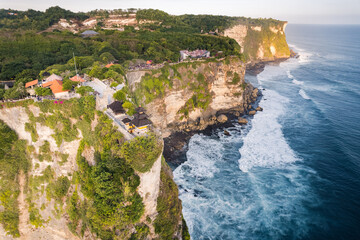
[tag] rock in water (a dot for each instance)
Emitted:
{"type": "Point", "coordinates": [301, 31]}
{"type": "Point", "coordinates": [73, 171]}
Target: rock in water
{"type": "Point", "coordinates": [226, 133]}
{"type": "Point", "coordinates": [222, 118]}
{"type": "Point", "coordinates": [252, 113]}
{"type": "Point", "coordinates": [242, 121]}
{"type": "Point", "coordinates": [255, 92]}
{"type": "Point", "coordinates": [259, 108]}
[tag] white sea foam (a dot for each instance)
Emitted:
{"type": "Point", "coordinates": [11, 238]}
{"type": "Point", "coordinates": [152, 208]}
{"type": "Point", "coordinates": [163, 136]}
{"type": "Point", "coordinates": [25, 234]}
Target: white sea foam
{"type": "Point", "coordinates": [202, 156]}
{"type": "Point", "coordinates": [297, 82]}
{"type": "Point", "coordinates": [265, 145]}
{"type": "Point", "coordinates": [304, 55]}
{"type": "Point", "coordinates": [289, 74]}
{"type": "Point", "coordinates": [303, 94]}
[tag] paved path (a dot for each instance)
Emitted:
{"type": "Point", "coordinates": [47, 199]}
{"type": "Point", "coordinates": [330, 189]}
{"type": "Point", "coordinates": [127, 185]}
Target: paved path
{"type": "Point", "coordinates": [120, 125]}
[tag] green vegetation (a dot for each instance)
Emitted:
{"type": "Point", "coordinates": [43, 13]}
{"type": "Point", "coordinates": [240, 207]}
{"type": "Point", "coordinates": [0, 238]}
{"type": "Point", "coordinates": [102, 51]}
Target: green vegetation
{"type": "Point", "coordinates": [200, 99]}
{"type": "Point", "coordinates": [266, 38]}
{"type": "Point", "coordinates": [197, 23]}
{"type": "Point", "coordinates": [107, 136]}
{"type": "Point", "coordinates": [112, 201]}
{"type": "Point", "coordinates": [185, 231]}
{"type": "Point", "coordinates": [35, 20]}
{"type": "Point", "coordinates": [142, 231]}
{"type": "Point", "coordinates": [59, 188]}
{"type": "Point", "coordinates": [120, 95]}
{"type": "Point", "coordinates": [236, 79]}
{"type": "Point", "coordinates": [13, 159]}
{"type": "Point", "coordinates": [151, 87]}
{"type": "Point", "coordinates": [35, 218]}
{"type": "Point", "coordinates": [130, 108]}
{"type": "Point", "coordinates": [68, 84]}
{"type": "Point", "coordinates": [84, 90]}
{"type": "Point", "coordinates": [142, 152]}
{"type": "Point", "coordinates": [168, 205]}
{"type": "Point", "coordinates": [43, 91]}
{"type": "Point", "coordinates": [32, 129]}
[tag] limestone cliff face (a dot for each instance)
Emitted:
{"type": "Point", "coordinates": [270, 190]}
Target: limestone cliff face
{"type": "Point", "coordinates": [55, 227]}
{"type": "Point", "coordinates": [53, 217]}
{"type": "Point", "coordinates": [223, 86]}
{"type": "Point", "coordinates": [260, 42]}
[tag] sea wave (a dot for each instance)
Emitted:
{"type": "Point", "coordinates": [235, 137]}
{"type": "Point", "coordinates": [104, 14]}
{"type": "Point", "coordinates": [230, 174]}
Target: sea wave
{"type": "Point", "coordinates": [265, 145]}
{"type": "Point", "coordinates": [303, 94]}
{"type": "Point", "coordinates": [295, 81]}
{"type": "Point", "coordinates": [304, 55]}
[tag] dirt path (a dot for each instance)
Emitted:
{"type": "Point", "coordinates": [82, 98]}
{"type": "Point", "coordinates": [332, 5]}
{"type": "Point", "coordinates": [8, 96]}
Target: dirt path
{"type": "Point", "coordinates": [23, 208]}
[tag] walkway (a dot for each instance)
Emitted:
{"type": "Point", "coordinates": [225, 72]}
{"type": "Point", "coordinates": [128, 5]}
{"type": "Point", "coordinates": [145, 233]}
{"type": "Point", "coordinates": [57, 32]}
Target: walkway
{"type": "Point", "coordinates": [121, 126]}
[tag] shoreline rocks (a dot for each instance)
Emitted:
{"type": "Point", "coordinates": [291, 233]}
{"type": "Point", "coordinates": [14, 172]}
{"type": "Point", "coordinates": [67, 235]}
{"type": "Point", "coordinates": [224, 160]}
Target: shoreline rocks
{"type": "Point", "coordinates": [256, 67]}
{"type": "Point", "coordinates": [252, 113]}
{"type": "Point", "coordinates": [222, 118]}
{"type": "Point", "coordinates": [176, 143]}
{"type": "Point", "coordinates": [242, 121]}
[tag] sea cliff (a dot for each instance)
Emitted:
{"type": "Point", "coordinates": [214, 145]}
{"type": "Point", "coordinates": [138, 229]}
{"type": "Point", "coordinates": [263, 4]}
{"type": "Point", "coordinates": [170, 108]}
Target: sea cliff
{"type": "Point", "coordinates": [264, 41]}
{"type": "Point", "coordinates": [196, 93]}
{"type": "Point", "coordinates": [78, 178]}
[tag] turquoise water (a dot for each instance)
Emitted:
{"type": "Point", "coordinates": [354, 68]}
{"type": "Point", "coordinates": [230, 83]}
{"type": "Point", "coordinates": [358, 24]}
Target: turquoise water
{"type": "Point", "coordinates": [294, 171]}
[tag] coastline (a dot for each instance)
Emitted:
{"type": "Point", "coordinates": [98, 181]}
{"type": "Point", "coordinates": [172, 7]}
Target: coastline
{"type": "Point", "coordinates": [176, 145]}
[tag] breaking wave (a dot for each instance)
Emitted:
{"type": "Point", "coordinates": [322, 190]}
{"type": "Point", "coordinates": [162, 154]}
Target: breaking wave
{"type": "Point", "coordinates": [265, 145]}
{"type": "Point", "coordinates": [303, 94]}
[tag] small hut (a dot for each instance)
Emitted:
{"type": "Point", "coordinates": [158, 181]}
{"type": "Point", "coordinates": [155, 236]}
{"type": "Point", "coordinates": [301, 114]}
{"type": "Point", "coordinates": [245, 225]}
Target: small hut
{"type": "Point", "coordinates": [116, 107]}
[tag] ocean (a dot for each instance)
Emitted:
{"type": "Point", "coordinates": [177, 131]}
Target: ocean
{"type": "Point", "coordinates": [294, 171]}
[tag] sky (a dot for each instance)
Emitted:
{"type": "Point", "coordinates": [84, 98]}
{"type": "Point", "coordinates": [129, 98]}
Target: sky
{"type": "Point", "coordinates": [294, 11]}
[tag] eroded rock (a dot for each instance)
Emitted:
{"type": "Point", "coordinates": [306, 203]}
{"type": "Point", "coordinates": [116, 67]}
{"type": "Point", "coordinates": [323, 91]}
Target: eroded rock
{"type": "Point", "coordinates": [222, 118]}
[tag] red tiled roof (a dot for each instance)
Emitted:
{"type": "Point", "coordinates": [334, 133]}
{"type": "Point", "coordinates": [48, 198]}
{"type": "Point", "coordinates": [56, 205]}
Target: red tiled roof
{"type": "Point", "coordinates": [77, 78]}
{"type": "Point", "coordinates": [109, 65]}
{"type": "Point", "coordinates": [32, 83]}
{"type": "Point", "coordinates": [55, 86]}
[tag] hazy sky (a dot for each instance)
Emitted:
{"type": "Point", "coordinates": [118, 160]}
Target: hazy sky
{"type": "Point", "coordinates": [294, 11]}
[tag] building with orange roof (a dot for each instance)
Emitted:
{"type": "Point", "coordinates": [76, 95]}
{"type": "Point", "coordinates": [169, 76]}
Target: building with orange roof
{"type": "Point", "coordinates": [32, 84]}
{"type": "Point", "coordinates": [109, 65]}
{"type": "Point", "coordinates": [77, 78]}
{"type": "Point", "coordinates": [56, 88]}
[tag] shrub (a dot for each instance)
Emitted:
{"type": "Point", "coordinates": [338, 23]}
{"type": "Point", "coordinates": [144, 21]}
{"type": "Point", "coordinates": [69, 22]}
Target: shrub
{"type": "Point", "coordinates": [59, 188]}
{"type": "Point", "coordinates": [236, 79]}
{"type": "Point", "coordinates": [43, 91]}
{"type": "Point", "coordinates": [168, 205]}
{"type": "Point", "coordinates": [142, 152]}
{"type": "Point", "coordinates": [130, 107]}
{"type": "Point", "coordinates": [84, 90]}
{"type": "Point", "coordinates": [120, 95]}
{"type": "Point", "coordinates": [142, 231]}
{"type": "Point", "coordinates": [32, 129]}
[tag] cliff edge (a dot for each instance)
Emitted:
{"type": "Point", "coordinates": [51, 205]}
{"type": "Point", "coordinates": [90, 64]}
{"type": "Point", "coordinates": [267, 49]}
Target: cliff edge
{"type": "Point", "coordinates": [191, 96]}
{"type": "Point", "coordinates": [264, 41]}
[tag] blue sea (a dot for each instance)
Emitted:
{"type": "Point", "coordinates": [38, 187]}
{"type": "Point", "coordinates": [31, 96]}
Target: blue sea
{"type": "Point", "coordinates": [294, 171]}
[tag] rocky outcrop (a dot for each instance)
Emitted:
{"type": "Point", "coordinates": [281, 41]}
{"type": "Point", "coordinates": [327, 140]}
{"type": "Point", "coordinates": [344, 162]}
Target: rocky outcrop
{"type": "Point", "coordinates": [149, 188]}
{"type": "Point", "coordinates": [252, 112]}
{"type": "Point", "coordinates": [242, 120]}
{"type": "Point", "coordinates": [259, 108]}
{"type": "Point", "coordinates": [222, 118]}
{"type": "Point", "coordinates": [237, 32]}
{"type": "Point", "coordinates": [226, 96]}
